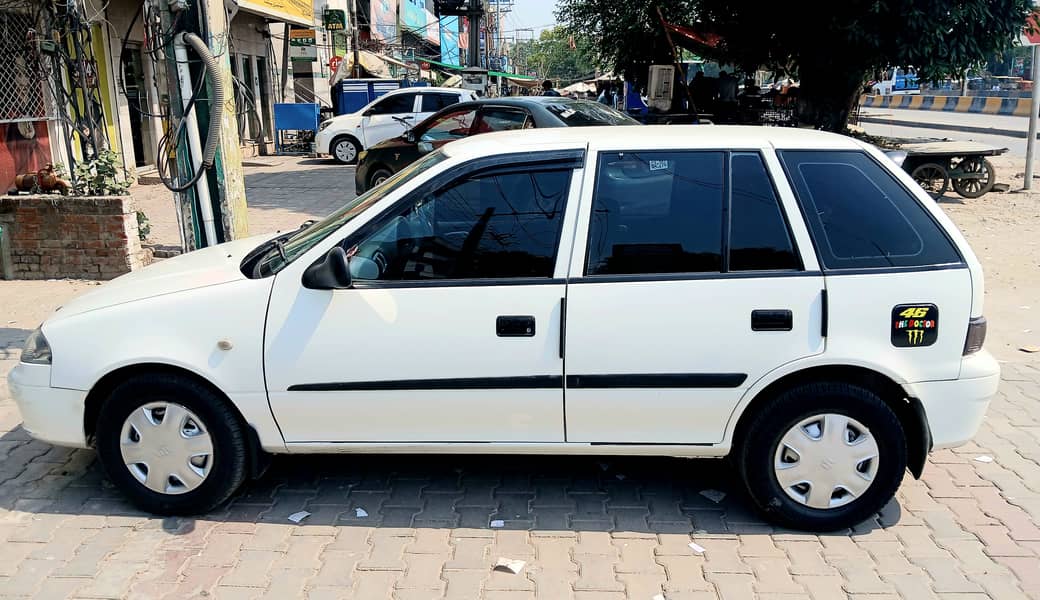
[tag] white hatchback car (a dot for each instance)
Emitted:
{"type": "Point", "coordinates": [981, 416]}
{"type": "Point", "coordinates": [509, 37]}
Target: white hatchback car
{"type": "Point", "coordinates": [388, 116]}
{"type": "Point", "coordinates": [790, 299]}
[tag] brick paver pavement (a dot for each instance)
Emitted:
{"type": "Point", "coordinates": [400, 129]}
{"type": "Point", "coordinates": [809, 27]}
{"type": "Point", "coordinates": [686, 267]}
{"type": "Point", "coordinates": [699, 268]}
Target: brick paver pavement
{"type": "Point", "coordinates": [588, 528]}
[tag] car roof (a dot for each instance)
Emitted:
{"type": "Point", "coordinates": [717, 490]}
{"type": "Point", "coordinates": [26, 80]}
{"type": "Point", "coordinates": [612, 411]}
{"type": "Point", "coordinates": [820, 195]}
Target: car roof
{"type": "Point", "coordinates": [651, 137]}
{"type": "Point", "coordinates": [422, 89]}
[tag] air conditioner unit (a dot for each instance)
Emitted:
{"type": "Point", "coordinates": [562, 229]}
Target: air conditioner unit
{"type": "Point", "coordinates": [659, 91]}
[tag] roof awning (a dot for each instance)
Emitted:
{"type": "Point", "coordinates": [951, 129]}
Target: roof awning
{"type": "Point", "coordinates": [695, 36]}
{"type": "Point", "coordinates": [510, 76]}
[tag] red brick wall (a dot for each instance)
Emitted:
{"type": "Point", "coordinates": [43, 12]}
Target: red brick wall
{"type": "Point", "coordinates": [51, 236]}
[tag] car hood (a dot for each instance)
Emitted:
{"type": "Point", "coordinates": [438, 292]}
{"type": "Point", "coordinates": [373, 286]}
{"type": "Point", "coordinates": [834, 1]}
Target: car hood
{"type": "Point", "coordinates": [208, 266]}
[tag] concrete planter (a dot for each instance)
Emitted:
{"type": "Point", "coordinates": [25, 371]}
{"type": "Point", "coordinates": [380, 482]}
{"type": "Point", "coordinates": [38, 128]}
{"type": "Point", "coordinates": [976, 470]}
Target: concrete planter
{"type": "Point", "coordinates": [50, 237]}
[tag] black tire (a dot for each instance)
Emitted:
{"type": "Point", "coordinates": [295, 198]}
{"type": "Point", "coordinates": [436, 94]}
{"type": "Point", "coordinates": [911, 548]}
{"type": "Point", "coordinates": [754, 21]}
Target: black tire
{"type": "Point", "coordinates": [757, 451]}
{"type": "Point", "coordinates": [345, 160]}
{"type": "Point", "coordinates": [230, 454]}
{"type": "Point", "coordinates": [933, 178]}
{"type": "Point", "coordinates": [378, 176]}
{"type": "Point", "coordinates": [975, 188]}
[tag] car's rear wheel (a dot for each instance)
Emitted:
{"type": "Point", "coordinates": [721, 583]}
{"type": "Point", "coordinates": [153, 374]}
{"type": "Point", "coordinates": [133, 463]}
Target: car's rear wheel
{"type": "Point", "coordinates": [172, 445]}
{"type": "Point", "coordinates": [345, 150]}
{"type": "Point", "coordinates": [823, 456]}
{"type": "Point", "coordinates": [378, 176]}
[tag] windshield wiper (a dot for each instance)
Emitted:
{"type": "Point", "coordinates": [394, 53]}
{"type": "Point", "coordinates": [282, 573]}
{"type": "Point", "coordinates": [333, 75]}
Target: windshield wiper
{"type": "Point", "coordinates": [279, 245]}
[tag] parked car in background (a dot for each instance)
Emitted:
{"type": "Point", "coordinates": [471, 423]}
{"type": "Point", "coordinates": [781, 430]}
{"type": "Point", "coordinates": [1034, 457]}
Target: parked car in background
{"type": "Point", "coordinates": [390, 115]}
{"type": "Point", "coordinates": [381, 161]}
{"type": "Point", "coordinates": [787, 298]}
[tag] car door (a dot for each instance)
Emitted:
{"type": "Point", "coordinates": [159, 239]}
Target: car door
{"type": "Point", "coordinates": [390, 117]}
{"type": "Point", "coordinates": [687, 286]}
{"type": "Point", "coordinates": [451, 330]}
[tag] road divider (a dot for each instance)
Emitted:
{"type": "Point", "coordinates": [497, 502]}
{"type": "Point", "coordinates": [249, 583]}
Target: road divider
{"type": "Point", "coordinates": [965, 104]}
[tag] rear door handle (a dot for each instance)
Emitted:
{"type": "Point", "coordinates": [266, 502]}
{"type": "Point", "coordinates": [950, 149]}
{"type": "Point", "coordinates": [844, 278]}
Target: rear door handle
{"type": "Point", "coordinates": [772, 320]}
{"type": "Point", "coordinates": [515, 326]}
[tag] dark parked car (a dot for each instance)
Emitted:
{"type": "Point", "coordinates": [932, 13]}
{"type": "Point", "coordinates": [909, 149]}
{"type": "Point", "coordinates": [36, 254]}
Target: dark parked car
{"type": "Point", "coordinates": [464, 119]}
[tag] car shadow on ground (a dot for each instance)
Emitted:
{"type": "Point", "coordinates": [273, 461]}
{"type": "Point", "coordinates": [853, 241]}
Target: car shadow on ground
{"type": "Point", "coordinates": [11, 341]}
{"type": "Point", "coordinates": [650, 495]}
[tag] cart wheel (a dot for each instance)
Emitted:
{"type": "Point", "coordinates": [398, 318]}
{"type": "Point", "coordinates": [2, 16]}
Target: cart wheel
{"type": "Point", "coordinates": [982, 182]}
{"type": "Point", "coordinates": [933, 178]}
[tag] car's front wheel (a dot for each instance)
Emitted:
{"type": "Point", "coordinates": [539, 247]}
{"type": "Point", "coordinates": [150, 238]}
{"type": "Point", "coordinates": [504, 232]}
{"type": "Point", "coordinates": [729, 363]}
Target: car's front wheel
{"type": "Point", "coordinates": [823, 456]}
{"type": "Point", "coordinates": [171, 444]}
{"type": "Point", "coordinates": [345, 150]}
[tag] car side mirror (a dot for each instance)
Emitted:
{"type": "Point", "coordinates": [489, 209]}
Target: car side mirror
{"type": "Point", "coordinates": [330, 273]}
{"type": "Point", "coordinates": [425, 147]}
{"type": "Point", "coordinates": [363, 268]}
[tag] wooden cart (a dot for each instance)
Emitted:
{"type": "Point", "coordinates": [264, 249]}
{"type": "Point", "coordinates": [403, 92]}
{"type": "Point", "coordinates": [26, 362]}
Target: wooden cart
{"type": "Point", "coordinates": [937, 165]}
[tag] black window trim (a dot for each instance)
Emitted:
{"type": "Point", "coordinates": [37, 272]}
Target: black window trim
{"type": "Point", "coordinates": [866, 270]}
{"type": "Point", "coordinates": [727, 201]}
{"type": "Point", "coordinates": [554, 160]}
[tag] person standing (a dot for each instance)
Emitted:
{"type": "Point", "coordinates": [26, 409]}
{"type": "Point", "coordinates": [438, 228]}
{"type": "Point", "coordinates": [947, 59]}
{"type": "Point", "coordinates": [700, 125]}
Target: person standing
{"type": "Point", "coordinates": [547, 89]}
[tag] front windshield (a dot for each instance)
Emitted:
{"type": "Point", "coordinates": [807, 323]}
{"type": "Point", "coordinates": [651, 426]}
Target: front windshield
{"type": "Point", "coordinates": [582, 113]}
{"type": "Point", "coordinates": [302, 240]}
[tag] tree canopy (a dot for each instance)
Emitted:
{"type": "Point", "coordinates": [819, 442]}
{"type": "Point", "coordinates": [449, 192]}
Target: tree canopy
{"type": "Point", "coordinates": [551, 55]}
{"type": "Point", "coordinates": [832, 48]}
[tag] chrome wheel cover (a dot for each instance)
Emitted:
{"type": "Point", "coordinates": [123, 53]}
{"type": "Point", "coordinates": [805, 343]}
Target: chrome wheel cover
{"type": "Point", "coordinates": [826, 461]}
{"type": "Point", "coordinates": [345, 150]}
{"type": "Point", "coordinates": [166, 447]}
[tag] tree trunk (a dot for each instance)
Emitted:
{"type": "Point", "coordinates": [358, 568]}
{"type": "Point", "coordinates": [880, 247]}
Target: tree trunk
{"type": "Point", "coordinates": [826, 97]}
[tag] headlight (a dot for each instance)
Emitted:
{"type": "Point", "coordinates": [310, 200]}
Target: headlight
{"type": "Point", "coordinates": [361, 156]}
{"type": "Point", "coordinates": [37, 351]}
{"type": "Point", "coordinates": [324, 124]}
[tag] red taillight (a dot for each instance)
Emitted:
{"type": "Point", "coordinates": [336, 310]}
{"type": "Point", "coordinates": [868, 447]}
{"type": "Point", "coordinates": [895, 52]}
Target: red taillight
{"type": "Point", "coordinates": [976, 335]}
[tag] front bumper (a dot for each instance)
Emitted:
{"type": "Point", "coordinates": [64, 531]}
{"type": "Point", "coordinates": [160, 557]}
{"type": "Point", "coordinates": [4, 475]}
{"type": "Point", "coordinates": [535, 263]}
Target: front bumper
{"type": "Point", "coordinates": [52, 415]}
{"type": "Point", "coordinates": [955, 408]}
{"type": "Point", "coordinates": [321, 141]}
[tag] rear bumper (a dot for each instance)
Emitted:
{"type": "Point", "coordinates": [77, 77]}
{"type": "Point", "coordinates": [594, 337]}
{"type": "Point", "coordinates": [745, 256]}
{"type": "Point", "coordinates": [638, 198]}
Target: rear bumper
{"type": "Point", "coordinates": [49, 414]}
{"type": "Point", "coordinates": [955, 408]}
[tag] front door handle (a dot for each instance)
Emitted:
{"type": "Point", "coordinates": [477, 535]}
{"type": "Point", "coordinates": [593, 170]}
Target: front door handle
{"type": "Point", "coordinates": [515, 326]}
{"type": "Point", "coordinates": [772, 320]}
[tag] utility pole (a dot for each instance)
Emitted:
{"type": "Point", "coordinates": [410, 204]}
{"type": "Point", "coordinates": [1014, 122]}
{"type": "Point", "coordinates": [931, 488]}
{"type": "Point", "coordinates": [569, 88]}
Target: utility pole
{"type": "Point", "coordinates": [354, 37]}
{"type": "Point", "coordinates": [213, 207]}
{"type": "Point", "coordinates": [1034, 107]}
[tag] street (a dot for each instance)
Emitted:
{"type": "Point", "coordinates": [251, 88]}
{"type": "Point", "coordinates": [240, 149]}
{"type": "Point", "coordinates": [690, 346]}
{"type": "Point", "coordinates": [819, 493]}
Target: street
{"type": "Point", "coordinates": [997, 130]}
{"type": "Point", "coordinates": [588, 528]}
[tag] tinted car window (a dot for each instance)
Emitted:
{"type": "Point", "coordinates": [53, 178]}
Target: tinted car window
{"type": "Point", "coordinates": [398, 103]}
{"type": "Point", "coordinates": [435, 102]}
{"type": "Point", "coordinates": [758, 235]}
{"type": "Point", "coordinates": [582, 113]}
{"type": "Point", "coordinates": [861, 217]}
{"type": "Point", "coordinates": [657, 212]}
{"type": "Point", "coordinates": [502, 119]}
{"type": "Point", "coordinates": [485, 226]}
{"type": "Point", "coordinates": [451, 126]}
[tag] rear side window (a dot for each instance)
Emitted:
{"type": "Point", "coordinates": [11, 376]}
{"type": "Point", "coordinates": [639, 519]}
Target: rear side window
{"type": "Point", "coordinates": [860, 215]}
{"type": "Point", "coordinates": [435, 102]}
{"type": "Point", "coordinates": [758, 235]}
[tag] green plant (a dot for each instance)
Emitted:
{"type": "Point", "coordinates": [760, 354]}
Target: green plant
{"type": "Point", "coordinates": [144, 227]}
{"type": "Point", "coordinates": [101, 175]}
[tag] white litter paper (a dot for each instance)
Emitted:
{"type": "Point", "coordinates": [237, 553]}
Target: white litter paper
{"type": "Point", "coordinates": [658, 597]}
{"type": "Point", "coordinates": [984, 459]}
{"type": "Point", "coordinates": [296, 517]}
{"type": "Point", "coordinates": [697, 547]}
{"type": "Point", "coordinates": [497, 523]}
{"type": "Point", "coordinates": [360, 513]}
{"type": "Point", "coordinates": [511, 565]}
{"type": "Point", "coordinates": [714, 495]}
